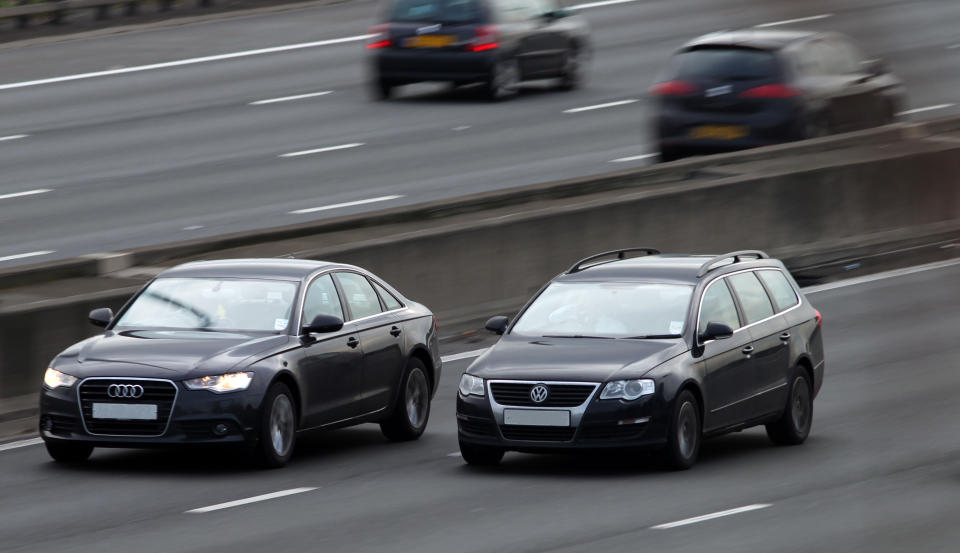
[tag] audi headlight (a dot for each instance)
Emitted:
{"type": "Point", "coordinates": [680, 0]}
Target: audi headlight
{"type": "Point", "coordinates": [628, 389]}
{"type": "Point", "coordinates": [54, 379]}
{"type": "Point", "coordinates": [471, 385]}
{"type": "Point", "coordinates": [220, 383]}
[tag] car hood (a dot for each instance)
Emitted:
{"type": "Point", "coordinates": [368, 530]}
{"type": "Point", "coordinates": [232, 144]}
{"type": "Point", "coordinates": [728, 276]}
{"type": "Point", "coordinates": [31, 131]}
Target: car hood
{"type": "Point", "coordinates": [164, 353]}
{"type": "Point", "coordinates": [573, 359]}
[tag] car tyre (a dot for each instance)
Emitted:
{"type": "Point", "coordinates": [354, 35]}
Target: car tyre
{"type": "Point", "coordinates": [793, 427]}
{"type": "Point", "coordinates": [574, 71]}
{"type": "Point", "coordinates": [683, 440]}
{"type": "Point", "coordinates": [278, 428]}
{"type": "Point", "coordinates": [503, 81]}
{"type": "Point", "coordinates": [409, 417]}
{"type": "Point", "coordinates": [381, 89]}
{"type": "Point", "coordinates": [481, 455]}
{"type": "Point", "coordinates": [68, 452]}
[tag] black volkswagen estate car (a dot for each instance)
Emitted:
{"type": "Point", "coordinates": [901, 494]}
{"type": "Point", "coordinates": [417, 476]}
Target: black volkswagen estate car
{"type": "Point", "coordinates": [495, 42]}
{"type": "Point", "coordinates": [742, 89]}
{"type": "Point", "coordinates": [245, 352]}
{"type": "Point", "coordinates": [647, 352]}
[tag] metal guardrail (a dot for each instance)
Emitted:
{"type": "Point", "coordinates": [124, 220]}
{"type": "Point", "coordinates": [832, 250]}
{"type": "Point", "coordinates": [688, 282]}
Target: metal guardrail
{"type": "Point", "coordinates": [55, 11]}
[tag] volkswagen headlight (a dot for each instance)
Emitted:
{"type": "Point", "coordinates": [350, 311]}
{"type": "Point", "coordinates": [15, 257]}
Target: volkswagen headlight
{"type": "Point", "coordinates": [54, 379]}
{"type": "Point", "coordinates": [628, 389]}
{"type": "Point", "coordinates": [471, 385]}
{"type": "Point", "coordinates": [220, 383]}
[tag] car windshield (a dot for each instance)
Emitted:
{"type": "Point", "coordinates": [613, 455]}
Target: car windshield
{"type": "Point", "coordinates": [212, 304]}
{"type": "Point", "coordinates": [436, 11]}
{"type": "Point", "coordinates": [607, 310]}
{"type": "Point", "coordinates": [734, 64]}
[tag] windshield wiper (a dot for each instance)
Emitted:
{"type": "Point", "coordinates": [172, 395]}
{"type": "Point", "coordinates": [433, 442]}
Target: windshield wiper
{"type": "Point", "coordinates": [577, 336]}
{"type": "Point", "coordinates": [652, 337]}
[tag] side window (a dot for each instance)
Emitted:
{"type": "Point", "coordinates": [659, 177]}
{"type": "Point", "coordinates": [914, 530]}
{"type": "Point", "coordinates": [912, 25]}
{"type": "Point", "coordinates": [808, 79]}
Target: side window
{"type": "Point", "coordinates": [388, 299]}
{"type": "Point", "coordinates": [718, 307]}
{"type": "Point", "coordinates": [783, 294]}
{"type": "Point", "coordinates": [753, 298]}
{"type": "Point", "coordinates": [847, 59]}
{"type": "Point", "coordinates": [322, 299]}
{"type": "Point", "coordinates": [809, 60]}
{"type": "Point", "coordinates": [359, 295]}
{"type": "Point", "coordinates": [517, 10]}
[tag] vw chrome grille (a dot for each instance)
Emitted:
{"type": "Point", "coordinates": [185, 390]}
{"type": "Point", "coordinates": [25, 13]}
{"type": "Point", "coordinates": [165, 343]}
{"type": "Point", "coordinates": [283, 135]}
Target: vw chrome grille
{"type": "Point", "coordinates": [161, 393]}
{"type": "Point", "coordinates": [559, 395]}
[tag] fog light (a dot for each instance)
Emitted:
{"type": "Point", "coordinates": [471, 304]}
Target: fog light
{"type": "Point", "coordinates": [641, 420]}
{"type": "Point", "coordinates": [221, 429]}
{"type": "Point", "coordinates": [46, 423]}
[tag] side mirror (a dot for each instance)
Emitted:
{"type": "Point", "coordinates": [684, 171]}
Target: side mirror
{"type": "Point", "coordinates": [498, 324]}
{"type": "Point", "coordinates": [875, 67]}
{"type": "Point", "coordinates": [717, 331]}
{"type": "Point", "coordinates": [557, 14]}
{"type": "Point", "coordinates": [101, 317]}
{"type": "Point", "coordinates": [322, 324]}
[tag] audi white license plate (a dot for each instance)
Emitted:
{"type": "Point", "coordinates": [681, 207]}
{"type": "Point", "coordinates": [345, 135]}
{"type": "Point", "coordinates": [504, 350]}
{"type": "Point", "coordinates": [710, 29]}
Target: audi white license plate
{"type": "Point", "coordinates": [125, 411]}
{"type": "Point", "coordinates": [536, 417]}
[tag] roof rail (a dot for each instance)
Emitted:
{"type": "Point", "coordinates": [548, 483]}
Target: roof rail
{"type": "Point", "coordinates": [708, 266]}
{"type": "Point", "coordinates": [621, 254]}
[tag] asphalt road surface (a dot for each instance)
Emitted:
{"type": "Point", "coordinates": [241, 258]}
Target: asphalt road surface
{"type": "Point", "coordinates": [879, 473]}
{"type": "Point", "coordinates": [158, 146]}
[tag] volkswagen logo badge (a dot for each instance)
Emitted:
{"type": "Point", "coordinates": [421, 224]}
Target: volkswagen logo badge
{"type": "Point", "coordinates": [539, 393]}
{"type": "Point", "coordinates": [126, 391]}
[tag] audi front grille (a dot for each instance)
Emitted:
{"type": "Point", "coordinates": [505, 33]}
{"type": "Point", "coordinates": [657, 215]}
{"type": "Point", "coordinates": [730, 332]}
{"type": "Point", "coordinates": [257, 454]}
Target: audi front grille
{"type": "Point", "coordinates": [162, 393]}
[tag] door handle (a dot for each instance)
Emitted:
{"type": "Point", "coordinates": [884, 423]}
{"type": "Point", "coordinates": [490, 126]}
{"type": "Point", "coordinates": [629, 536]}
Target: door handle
{"type": "Point", "coordinates": [747, 350]}
{"type": "Point", "coordinates": [353, 342]}
{"type": "Point", "coordinates": [395, 332]}
{"type": "Point", "coordinates": [785, 336]}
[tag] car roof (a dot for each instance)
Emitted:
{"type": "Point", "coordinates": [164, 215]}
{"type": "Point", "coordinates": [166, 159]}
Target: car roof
{"type": "Point", "coordinates": [270, 268]}
{"type": "Point", "coordinates": [663, 268]}
{"type": "Point", "coordinates": [761, 39]}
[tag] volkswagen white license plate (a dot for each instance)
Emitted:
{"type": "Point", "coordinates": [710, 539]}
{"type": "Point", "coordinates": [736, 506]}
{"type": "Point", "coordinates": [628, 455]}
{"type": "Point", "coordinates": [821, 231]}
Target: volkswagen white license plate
{"type": "Point", "coordinates": [536, 417]}
{"type": "Point", "coordinates": [125, 411]}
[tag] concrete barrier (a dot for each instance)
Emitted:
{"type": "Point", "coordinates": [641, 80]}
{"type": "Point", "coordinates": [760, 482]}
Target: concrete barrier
{"type": "Point", "coordinates": [485, 255]}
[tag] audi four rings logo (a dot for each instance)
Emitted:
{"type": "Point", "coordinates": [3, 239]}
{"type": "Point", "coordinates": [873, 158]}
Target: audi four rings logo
{"type": "Point", "coordinates": [128, 391]}
{"type": "Point", "coordinates": [539, 393]}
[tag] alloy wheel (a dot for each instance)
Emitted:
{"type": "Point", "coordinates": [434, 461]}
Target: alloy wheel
{"type": "Point", "coordinates": [281, 425]}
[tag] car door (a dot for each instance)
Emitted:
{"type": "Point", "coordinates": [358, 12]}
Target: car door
{"type": "Point", "coordinates": [726, 366]}
{"type": "Point", "coordinates": [773, 374]}
{"type": "Point", "coordinates": [769, 357]}
{"type": "Point", "coordinates": [381, 340]}
{"type": "Point", "coordinates": [330, 366]}
{"type": "Point", "coordinates": [520, 22]}
{"type": "Point", "coordinates": [550, 38]}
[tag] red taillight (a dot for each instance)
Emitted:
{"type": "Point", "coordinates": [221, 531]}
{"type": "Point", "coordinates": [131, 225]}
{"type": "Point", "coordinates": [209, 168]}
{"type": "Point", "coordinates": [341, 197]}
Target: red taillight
{"type": "Point", "coordinates": [380, 36]}
{"type": "Point", "coordinates": [485, 38]}
{"type": "Point", "coordinates": [436, 324]}
{"type": "Point", "coordinates": [819, 318]}
{"type": "Point", "coordinates": [771, 91]}
{"type": "Point", "coordinates": [673, 88]}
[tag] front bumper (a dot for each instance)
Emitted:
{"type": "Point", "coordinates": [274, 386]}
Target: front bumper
{"type": "Point", "coordinates": [603, 424]}
{"type": "Point", "coordinates": [194, 419]}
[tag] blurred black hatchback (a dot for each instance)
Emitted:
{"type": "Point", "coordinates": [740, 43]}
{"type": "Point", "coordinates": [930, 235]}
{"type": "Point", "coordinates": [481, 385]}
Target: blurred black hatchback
{"type": "Point", "coordinates": [495, 42]}
{"type": "Point", "coordinates": [649, 352]}
{"type": "Point", "coordinates": [742, 89]}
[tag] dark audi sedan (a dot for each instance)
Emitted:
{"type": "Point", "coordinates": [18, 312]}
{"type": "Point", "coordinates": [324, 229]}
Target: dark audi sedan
{"type": "Point", "coordinates": [495, 42]}
{"type": "Point", "coordinates": [742, 89]}
{"type": "Point", "coordinates": [245, 352]}
{"type": "Point", "coordinates": [651, 352]}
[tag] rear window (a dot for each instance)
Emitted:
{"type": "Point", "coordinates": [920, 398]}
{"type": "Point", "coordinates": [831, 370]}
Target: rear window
{"type": "Point", "coordinates": [734, 64]}
{"type": "Point", "coordinates": [436, 11]}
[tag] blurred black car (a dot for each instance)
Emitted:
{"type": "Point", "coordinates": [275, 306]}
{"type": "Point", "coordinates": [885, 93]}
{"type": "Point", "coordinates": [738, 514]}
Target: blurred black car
{"type": "Point", "coordinates": [741, 89]}
{"type": "Point", "coordinates": [245, 352]}
{"type": "Point", "coordinates": [495, 42]}
{"type": "Point", "coordinates": [649, 352]}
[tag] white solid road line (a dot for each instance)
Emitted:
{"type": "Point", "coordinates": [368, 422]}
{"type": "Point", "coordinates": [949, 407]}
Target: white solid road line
{"type": "Point", "coordinates": [953, 46]}
{"type": "Point", "coordinates": [633, 158]}
{"type": "Point", "coordinates": [601, 106]}
{"type": "Point", "coordinates": [290, 98]}
{"type": "Point", "coordinates": [600, 4]}
{"type": "Point", "coordinates": [346, 204]}
{"type": "Point", "coordinates": [21, 443]}
{"type": "Point", "coordinates": [13, 137]}
{"type": "Point", "coordinates": [28, 254]}
{"type": "Point", "coordinates": [928, 108]}
{"type": "Point", "coordinates": [322, 150]}
{"type": "Point", "coordinates": [881, 276]}
{"type": "Point", "coordinates": [464, 355]}
{"type": "Point", "coordinates": [711, 516]}
{"type": "Point", "coordinates": [24, 193]}
{"type": "Point", "coordinates": [792, 21]}
{"type": "Point", "coordinates": [189, 61]}
{"type": "Point", "coordinates": [247, 501]}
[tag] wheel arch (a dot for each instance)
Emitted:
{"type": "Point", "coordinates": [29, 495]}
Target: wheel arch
{"type": "Point", "coordinates": [420, 352]}
{"type": "Point", "coordinates": [290, 381]}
